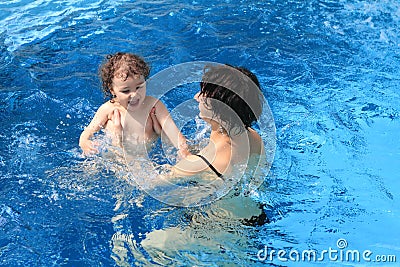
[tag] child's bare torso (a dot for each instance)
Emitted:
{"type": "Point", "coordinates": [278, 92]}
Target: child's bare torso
{"type": "Point", "coordinates": [137, 125]}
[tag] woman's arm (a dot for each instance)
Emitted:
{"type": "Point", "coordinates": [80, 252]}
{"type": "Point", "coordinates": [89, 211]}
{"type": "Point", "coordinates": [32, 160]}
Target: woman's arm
{"type": "Point", "coordinates": [189, 166]}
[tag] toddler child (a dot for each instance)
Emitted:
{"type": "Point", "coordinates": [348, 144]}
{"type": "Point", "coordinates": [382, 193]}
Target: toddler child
{"type": "Point", "coordinates": [127, 114]}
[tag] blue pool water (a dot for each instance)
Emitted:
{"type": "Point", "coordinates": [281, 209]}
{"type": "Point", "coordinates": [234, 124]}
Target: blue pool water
{"type": "Point", "coordinates": [329, 69]}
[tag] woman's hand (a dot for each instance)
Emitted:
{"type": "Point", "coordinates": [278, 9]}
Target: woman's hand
{"type": "Point", "coordinates": [116, 120]}
{"type": "Point", "coordinates": [156, 124]}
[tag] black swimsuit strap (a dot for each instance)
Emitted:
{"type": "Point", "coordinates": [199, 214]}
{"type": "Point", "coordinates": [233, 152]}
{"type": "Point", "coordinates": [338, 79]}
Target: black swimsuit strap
{"type": "Point", "coordinates": [211, 166]}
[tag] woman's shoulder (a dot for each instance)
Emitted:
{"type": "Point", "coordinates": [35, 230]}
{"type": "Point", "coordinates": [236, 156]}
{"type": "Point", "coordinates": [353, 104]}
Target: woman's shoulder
{"type": "Point", "coordinates": [256, 142]}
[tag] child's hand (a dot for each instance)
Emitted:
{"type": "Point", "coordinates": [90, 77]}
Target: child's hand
{"type": "Point", "coordinates": [156, 124]}
{"type": "Point", "coordinates": [88, 147]}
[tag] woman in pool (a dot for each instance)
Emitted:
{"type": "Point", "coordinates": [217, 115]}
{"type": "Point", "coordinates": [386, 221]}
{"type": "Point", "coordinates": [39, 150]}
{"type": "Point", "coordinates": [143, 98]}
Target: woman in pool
{"type": "Point", "coordinates": [231, 101]}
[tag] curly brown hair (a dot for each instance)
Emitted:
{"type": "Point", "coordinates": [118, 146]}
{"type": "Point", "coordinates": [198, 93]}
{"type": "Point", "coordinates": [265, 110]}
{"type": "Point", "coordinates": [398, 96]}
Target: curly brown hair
{"type": "Point", "coordinates": [121, 65]}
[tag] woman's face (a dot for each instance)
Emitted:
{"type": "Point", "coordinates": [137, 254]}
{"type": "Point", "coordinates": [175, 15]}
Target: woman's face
{"type": "Point", "coordinates": [205, 112]}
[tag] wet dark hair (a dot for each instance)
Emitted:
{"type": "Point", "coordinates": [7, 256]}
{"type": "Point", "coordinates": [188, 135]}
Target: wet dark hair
{"type": "Point", "coordinates": [121, 65]}
{"type": "Point", "coordinates": [236, 87]}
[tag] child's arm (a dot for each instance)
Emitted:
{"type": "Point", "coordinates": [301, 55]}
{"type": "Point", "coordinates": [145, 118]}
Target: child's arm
{"type": "Point", "coordinates": [161, 115]}
{"type": "Point", "coordinates": [98, 122]}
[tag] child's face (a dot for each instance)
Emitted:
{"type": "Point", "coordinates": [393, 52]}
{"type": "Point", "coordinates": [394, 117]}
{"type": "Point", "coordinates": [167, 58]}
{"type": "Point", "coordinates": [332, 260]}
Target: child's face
{"type": "Point", "coordinates": [131, 92]}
